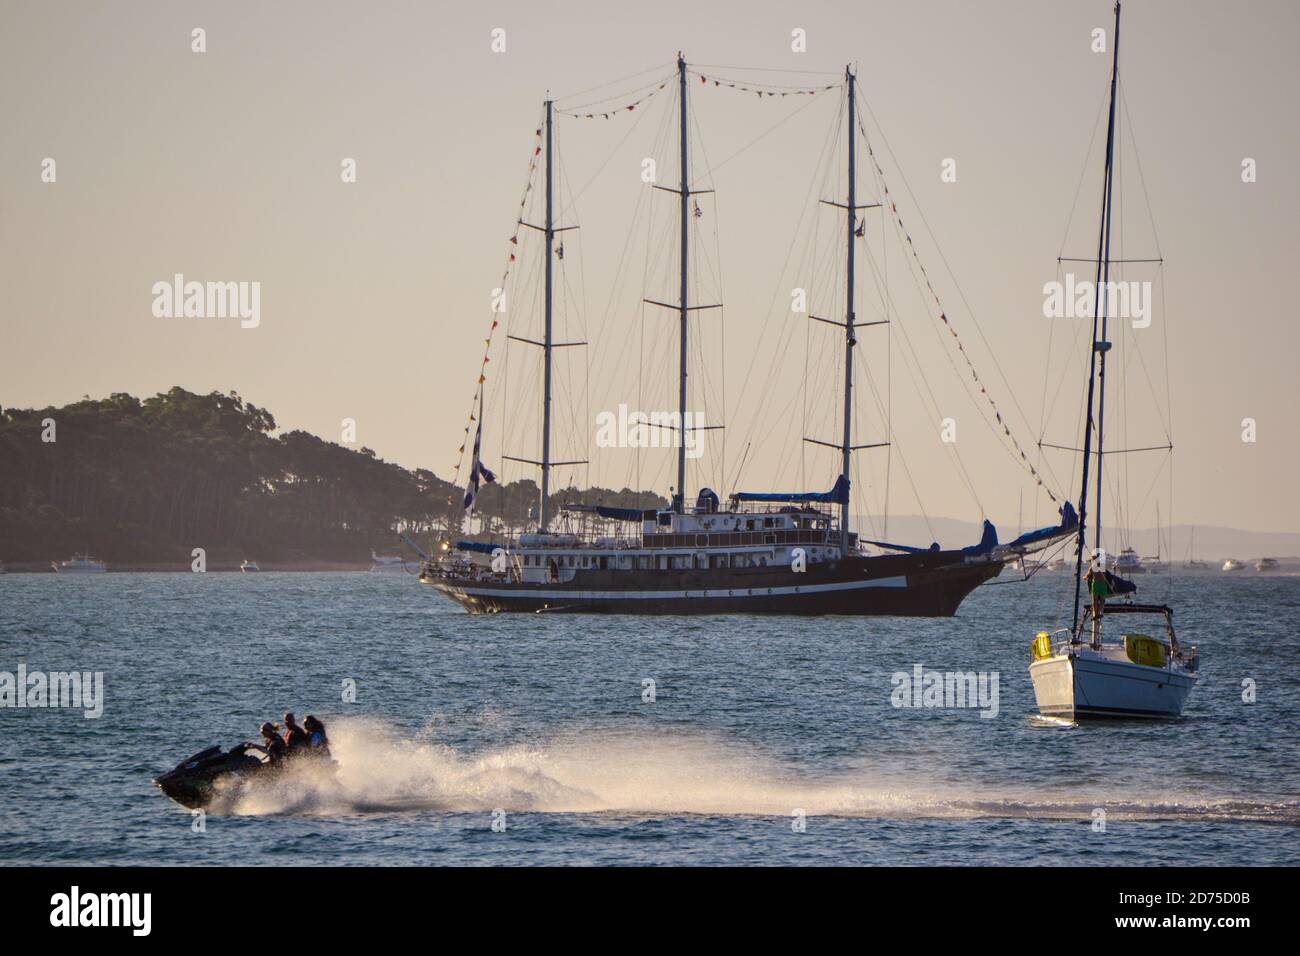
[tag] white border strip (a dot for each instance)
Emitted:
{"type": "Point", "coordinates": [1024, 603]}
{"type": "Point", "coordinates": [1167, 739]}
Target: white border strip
{"type": "Point", "coordinates": [894, 582]}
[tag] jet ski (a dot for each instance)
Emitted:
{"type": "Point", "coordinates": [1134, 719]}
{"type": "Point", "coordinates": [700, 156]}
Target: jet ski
{"type": "Point", "coordinates": [194, 780]}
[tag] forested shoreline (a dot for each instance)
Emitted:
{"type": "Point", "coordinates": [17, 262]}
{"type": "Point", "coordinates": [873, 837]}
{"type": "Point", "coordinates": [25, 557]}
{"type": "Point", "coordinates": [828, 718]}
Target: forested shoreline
{"type": "Point", "coordinates": [146, 481]}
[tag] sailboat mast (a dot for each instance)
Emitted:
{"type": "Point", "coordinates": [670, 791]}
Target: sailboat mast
{"type": "Point", "coordinates": [1097, 359]}
{"type": "Point", "coordinates": [1104, 269]}
{"type": "Point", "coordinates": [846, 447]}
{"type": "Point", "coordinates": [545, 511]}
{"type": "Point", "coordinates": [683, 311]}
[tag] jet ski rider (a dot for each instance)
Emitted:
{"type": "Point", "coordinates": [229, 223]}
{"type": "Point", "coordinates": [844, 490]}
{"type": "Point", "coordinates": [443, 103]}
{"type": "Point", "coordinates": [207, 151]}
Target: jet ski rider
{"type": "Point", "coordinates": [273, 746]}
{"type": "Point", "coordinates": [296, 739]}
{"type": "Point", "coordinates": [317, 741]}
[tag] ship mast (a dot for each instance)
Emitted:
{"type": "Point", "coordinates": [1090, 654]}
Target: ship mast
{"type": "Point", "coordinates": [547, 346]}
{"type": "Point", "coordinates": [683, 310]}
{"type": "Point", "coordinates": [850, 324]}
{"type": "Point", "coordinates": [846, 446]}
{"type": "Point", "coordinates": [548, 343]}
{"type": "Point", "coordinates": [1100, 346]}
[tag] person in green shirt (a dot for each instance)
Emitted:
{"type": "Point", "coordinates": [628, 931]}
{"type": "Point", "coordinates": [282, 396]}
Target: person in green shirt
{"type": "Point", "coordinates": [1099, 589]}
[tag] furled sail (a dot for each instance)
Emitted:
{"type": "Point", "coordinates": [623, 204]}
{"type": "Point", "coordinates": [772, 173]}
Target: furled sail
{"type": "Point", "coordinates": [838, 495]}
{"type": "Point", "coordinates": [1069, 522]}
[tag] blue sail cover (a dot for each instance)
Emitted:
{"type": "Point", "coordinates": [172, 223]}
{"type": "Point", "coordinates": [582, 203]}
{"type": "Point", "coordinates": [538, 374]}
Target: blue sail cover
{"type": "Point", "coordinates": [1069, 521]}
{"type": "Point", "coordinates": [625, 514]}
{"type": "Point", "coordinates": [838, 495]}
{"type": "Point", "coordinates": [1120, 585]}
{"type": "Point", "coordinates": [482, 547]}
{"type": "Point", "coordinates": [905, 548]}
{"type": "Point", "coordinates": [988, 541]}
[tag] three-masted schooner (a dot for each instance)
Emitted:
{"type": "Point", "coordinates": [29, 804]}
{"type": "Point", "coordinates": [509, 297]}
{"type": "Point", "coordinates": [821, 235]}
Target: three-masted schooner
{"type": "Point", "coordinates": [763, 552]}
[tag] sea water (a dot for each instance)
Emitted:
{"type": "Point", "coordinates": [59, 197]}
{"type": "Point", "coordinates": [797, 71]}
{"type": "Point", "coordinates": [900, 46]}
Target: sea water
{"type": "Point", "coordinates": [516, 739]}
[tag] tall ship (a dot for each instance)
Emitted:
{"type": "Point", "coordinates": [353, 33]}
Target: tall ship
{"type": "Point", "coordinates": [781, 552]}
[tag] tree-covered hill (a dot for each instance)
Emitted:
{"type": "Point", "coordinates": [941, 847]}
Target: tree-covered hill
{"type": "Point", "coordinates": [146, 481]}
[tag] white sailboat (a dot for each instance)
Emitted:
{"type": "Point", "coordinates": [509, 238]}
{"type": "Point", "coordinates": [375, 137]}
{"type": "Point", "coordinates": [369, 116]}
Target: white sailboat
{"type": "Point", "coordinates": [1192, 563]}
{"type": "Point", "coordinates": [1138, 675]}
{"type": "Point", "coordinates": [1079, 672]}
{"type": "Point", "coordinates": [1155, 564]}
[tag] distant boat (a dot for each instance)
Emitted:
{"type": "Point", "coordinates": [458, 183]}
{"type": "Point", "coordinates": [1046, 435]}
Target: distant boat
{"type": "Point", "coordinates": [79, 564]}
{"type": "Point", "coordinates": [1266, 564]}
{"type": "Point", "coordinates": [1192, 564]}
{"type": "Point", "coordinates": [1232, 564]}
{"type": "Point", "coordinates": [1129, 563]}
{"type": "Point", "coordinates": [387, 562]}
{"type": "Point", "coordinates": [1155, 564]}
{"type": "Point", "coordinates": [249, 566]}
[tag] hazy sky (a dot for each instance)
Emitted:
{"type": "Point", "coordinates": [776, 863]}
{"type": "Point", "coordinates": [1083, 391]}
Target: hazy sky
{"type": "Point", "coordinates": [225, 165]}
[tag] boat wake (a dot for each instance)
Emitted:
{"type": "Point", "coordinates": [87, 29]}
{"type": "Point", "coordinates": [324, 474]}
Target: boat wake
{"type": "Point", "coordinates": [661, 775]}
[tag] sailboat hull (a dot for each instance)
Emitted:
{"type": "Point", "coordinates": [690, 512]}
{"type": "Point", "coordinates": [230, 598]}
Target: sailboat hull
{"type": "Point", "coordinates": [1076, 687]}
{"type": "Point", "coordinates": [906, 585]}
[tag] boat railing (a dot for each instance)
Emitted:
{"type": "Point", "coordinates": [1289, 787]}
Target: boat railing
{"type": "Point", "coordinates": [464, 571]}
{"type": "Point", "coordinates": [1060, 640]}
{"type": "Point", "coordinates": [1064, 638]}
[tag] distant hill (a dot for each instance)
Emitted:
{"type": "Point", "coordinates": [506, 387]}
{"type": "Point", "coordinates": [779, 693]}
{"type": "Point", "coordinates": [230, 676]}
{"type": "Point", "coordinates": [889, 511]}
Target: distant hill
{"type": "Point", "coordinates": [148, 480]}
{"type": "Point", "coordinates": [145, 481]}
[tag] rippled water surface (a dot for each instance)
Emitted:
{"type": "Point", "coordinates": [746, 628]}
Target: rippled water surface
{"type": "Point", "coordinates": [539, 721]}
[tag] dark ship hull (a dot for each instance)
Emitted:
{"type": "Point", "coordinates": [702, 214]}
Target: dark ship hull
{"type": "Point", "coordinates": [929, 584]}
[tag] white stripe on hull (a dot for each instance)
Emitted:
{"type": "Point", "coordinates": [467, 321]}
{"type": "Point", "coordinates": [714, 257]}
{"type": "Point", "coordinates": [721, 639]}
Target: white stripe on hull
{"type": "Point", "coordinates": [894, 582]}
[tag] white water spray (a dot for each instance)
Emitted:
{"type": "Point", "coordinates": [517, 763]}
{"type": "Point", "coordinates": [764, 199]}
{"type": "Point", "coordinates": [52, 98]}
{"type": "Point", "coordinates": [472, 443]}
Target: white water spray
{"type": "Point", "coordinates": [657, 773]}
